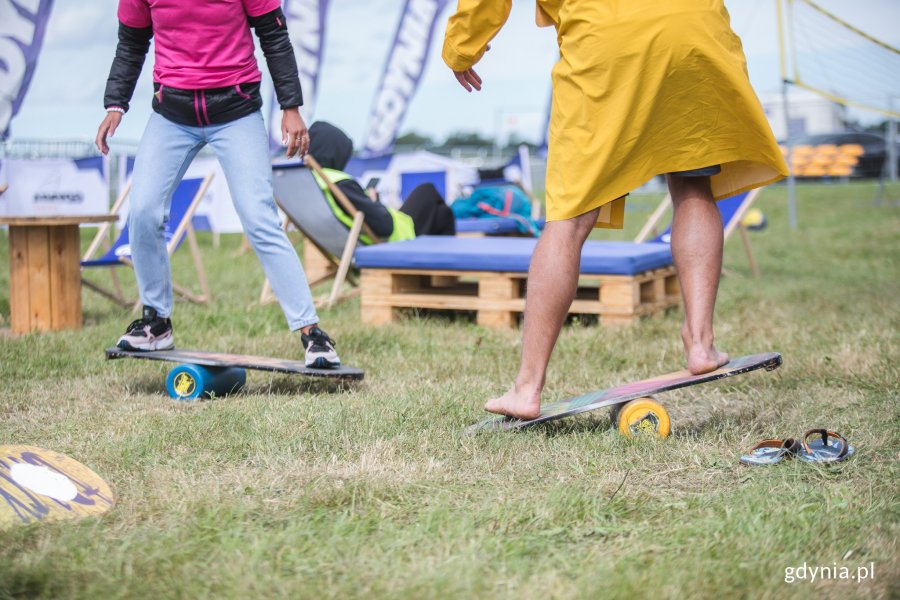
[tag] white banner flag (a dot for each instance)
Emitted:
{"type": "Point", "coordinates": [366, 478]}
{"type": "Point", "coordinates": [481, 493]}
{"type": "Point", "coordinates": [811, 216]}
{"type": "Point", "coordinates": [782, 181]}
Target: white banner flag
{"type": "Point", "coordinates": [402, 73]}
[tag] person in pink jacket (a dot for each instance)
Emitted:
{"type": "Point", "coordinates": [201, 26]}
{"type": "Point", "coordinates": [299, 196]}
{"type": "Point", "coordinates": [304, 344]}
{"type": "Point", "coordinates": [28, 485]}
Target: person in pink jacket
{"type": "Point", "coordinates": [206, 91]}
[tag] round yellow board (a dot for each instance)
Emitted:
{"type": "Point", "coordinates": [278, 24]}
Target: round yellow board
{"type": "Point", "coordinates": [43, 485]}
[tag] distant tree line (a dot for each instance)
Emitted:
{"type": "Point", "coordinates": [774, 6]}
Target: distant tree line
{"type": "Point", "coordinates": [460, 139]}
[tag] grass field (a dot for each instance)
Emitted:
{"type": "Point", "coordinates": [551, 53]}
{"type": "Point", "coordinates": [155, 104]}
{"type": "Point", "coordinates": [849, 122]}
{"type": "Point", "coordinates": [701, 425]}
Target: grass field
{"type": "Point", "coordinates": [296, 490]}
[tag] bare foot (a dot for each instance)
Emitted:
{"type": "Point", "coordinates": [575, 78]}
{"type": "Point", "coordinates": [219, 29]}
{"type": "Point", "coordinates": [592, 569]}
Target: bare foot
{"type": "Point", "coordinates": [517, 404]}
{"type": "Point", "coordinates": [702, 359]}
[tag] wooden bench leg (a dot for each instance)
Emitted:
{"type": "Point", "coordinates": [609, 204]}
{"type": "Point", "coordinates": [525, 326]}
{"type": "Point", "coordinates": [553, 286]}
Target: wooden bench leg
{"type": "Point", "coordinates": [497, 288]}
{"type": "Point", "coordinates": [619, 300]}
{"type": "Point", "coordinates": [376, 287]}
{"type": "Point", "coordinates": [653, 294]}
{"type": "Point", "coordinates": [673, 290]}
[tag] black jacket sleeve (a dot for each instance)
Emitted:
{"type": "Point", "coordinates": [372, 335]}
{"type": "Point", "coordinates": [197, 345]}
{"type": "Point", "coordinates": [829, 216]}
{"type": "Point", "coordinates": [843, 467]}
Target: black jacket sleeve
{"type": "Point", "coordinates": [126, 67]}
{"type": "Point", "coordinates": [376, 215]}
{"type": "Point", "coordinates": [271, 29]}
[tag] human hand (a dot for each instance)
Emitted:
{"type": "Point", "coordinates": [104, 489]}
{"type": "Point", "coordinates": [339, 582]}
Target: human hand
{"type": "Point", "coordinates": [107, 129]}
{"type": "Point", "coordinates": [469, 79]}
{"type": "Point", "coordinates": [293, 132]}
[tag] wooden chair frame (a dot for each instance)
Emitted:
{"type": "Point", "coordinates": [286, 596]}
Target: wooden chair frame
{"type": "Point", "coordinates": [337, 267]}
{"type": "Point", "coordinates": [184, 230]}
{"type": "Point", "coordinates": [650, 228]}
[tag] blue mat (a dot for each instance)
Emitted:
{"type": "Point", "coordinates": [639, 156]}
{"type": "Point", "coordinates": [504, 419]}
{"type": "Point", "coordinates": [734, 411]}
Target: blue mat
{"type": "Point", "coordinates": [490, 226]}
{"type": "Point", "coordinates": [446, 253]}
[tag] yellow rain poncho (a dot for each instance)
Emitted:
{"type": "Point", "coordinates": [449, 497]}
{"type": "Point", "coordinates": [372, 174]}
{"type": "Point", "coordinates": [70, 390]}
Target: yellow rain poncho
{"type": "Point", "coordinates": [642, 88]}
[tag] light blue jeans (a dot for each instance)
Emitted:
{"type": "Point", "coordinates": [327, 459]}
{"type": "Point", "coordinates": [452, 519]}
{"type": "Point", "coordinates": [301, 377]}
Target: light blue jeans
{"type": "Point", "coordinates": [242, 147]}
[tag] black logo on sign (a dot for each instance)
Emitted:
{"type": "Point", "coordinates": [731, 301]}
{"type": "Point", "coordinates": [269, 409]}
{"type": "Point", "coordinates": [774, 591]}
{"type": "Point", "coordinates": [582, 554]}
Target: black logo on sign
{"type": "Point", "coordinates": [60, 197]}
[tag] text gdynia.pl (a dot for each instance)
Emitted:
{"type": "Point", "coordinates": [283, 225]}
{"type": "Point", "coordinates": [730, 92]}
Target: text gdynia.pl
{"type": "Point", "coordinates": [833, 572]}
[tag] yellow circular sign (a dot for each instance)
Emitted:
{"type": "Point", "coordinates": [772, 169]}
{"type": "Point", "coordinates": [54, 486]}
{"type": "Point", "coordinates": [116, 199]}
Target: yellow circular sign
{"type": "Point", "coordinates": [643, 416]}
{"type": "Point", "coordinates": [184, 384]}
{"type": "Point", "coordinates": [42, 485]}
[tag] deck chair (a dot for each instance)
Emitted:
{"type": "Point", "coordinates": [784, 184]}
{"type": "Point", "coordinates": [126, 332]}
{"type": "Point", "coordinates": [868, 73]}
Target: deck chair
{"type": "Point", "coordinates": [301, 199]}
{"type": "Point", "coordinates": [733, 210]}
{"type": "Point", "coordinates": [185, 201]}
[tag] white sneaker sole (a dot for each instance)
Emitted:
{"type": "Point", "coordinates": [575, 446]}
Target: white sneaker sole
{"type": "Point", "coordinates": [160, 344]}
{"type": "Point", "coordinates": [323, 363]}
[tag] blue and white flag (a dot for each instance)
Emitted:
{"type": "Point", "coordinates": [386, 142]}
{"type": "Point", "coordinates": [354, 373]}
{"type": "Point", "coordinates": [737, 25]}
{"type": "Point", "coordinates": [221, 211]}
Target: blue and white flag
{"type": "Point", "coordinates": [22, 27]}
{"type": "Point", "coordinates": [306, 25]}
{"type": "Point", "coordinates": [402, 73]}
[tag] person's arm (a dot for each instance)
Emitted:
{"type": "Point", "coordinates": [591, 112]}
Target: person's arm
{"type": "Point", "coordinates": [376, 215]}
{"type": "Point", "coordinates": [271, 29]}
{"type": "Point", "coordinates": [468, 36]}
{"type": "Point", "coordinates": [131, 51]}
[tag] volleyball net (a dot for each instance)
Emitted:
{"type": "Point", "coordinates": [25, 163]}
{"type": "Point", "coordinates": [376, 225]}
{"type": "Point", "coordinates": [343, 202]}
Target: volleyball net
{"type": "Point", "coordinates": [831, 57]}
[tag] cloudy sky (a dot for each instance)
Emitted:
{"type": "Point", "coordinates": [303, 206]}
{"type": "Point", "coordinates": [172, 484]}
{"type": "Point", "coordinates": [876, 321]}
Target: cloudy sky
{"type": "Point", "coordinates": [65, 99]}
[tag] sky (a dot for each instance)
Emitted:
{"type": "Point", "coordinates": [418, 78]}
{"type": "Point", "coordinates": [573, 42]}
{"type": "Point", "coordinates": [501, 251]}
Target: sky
{"type": "Point", "coordinates": [66, 94]}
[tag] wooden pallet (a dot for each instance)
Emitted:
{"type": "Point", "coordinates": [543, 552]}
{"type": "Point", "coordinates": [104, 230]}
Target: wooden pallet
{"type": "Point", "coordinates": [498, 298]}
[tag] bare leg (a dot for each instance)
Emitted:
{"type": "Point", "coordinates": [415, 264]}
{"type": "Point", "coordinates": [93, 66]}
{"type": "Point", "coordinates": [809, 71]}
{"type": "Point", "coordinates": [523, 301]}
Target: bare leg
{"type": "Point", "coordinates": [552, 280]}
{"type": "Point", "coordinates": [697, 249]}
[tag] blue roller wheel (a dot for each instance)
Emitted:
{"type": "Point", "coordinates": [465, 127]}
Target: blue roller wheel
{"type": "Point", "coordinates": [190, 382]}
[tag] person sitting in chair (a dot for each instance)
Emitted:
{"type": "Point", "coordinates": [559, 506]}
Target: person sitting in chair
{"type": "Point", "coordinates": [423, 213]}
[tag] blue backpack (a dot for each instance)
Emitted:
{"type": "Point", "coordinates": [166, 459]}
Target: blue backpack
{"type": "Point", "coordinates": [502, 200]}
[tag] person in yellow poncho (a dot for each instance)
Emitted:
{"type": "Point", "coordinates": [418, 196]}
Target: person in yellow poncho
{"type": "Point", "coordinates": [641, 88]}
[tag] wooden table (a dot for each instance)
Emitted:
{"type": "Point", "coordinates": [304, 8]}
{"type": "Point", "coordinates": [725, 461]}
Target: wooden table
{"type": "Point", "coordinates": [45, 271]}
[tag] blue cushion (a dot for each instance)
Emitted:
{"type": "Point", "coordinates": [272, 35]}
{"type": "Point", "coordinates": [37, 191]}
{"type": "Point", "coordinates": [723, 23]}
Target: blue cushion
{"type": "Point", "coordinates": [447, 253]}
{"type": "Point", "coordinates": [490, 225]}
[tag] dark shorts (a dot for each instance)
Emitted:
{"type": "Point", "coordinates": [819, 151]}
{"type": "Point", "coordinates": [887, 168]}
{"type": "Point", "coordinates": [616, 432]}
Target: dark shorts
{"type": "Point", "coordinates": [704, 172]}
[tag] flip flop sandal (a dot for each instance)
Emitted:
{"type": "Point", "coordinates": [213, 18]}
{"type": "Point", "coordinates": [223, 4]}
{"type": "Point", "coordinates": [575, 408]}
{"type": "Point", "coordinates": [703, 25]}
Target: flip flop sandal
{"type": "Point", "coordinates": [770, 452]}
{"type": "Point", "coordinates": [828, 447]}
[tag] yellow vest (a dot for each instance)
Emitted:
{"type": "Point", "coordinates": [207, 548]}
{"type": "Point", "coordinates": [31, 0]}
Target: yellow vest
{"type": "Point", "coordinates": [404, 228]}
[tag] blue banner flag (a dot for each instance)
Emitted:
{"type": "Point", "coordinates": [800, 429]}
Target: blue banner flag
{"type": "Point", "coordinates": [22, 27]}
{"type": "Point", "coordinates": [402, 73]}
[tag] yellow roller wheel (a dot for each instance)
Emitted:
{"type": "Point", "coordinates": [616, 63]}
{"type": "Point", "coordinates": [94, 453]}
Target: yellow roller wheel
{"type": "Point", "coordinates": [643, 416]}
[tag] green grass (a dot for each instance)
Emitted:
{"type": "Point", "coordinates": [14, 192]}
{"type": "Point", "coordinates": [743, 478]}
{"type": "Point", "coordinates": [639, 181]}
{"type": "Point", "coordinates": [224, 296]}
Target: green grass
{"type": "Point", "coordinates": [297, 490]}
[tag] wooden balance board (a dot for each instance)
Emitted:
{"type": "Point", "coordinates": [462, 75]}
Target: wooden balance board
{"type": "Point", "coordinates": [42, 485]}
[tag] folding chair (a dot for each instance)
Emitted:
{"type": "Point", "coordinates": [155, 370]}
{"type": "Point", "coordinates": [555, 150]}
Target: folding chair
{"type": "Point", "coordinates": [185, 201]}
{"type": "Point", "coordinates": [733, 210]}
{"type": "Point", "coordinates": [301, 199]}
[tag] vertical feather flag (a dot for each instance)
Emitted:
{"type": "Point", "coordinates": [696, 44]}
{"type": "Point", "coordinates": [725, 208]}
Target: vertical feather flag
{"type": "Point", "coordinates": [306, 24]}
{"type": "Point", "coordinates": [402, 73]}
{"type": "Point", "coordinates": [22, 27]}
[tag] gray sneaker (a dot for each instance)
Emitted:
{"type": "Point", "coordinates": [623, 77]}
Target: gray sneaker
{"type": "Point", "coordinates": [148, 333]}
{"type": "Point", "coordinates": [320, 352]}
